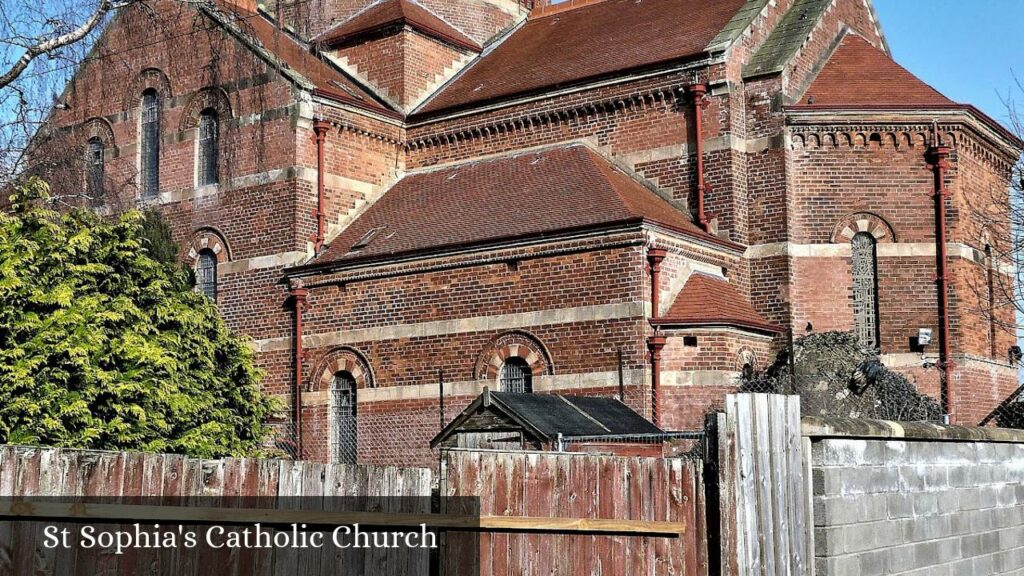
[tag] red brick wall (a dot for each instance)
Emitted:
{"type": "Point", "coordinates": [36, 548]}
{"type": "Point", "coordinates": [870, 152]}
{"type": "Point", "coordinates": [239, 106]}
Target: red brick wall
{"type": "Point", "coordinates": [722, 352]}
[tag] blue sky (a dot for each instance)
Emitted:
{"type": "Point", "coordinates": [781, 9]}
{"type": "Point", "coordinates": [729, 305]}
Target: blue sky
{"type": "Point", "coordinates": [966, 49]}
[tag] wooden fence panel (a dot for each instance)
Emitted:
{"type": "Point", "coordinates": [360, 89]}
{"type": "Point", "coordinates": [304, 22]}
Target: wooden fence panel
{"type": "Point", "coordinates": [766, 526]}
{"type": "Point", "coordinates": [534, 484]}
{"type": "Point", "coordinates": [229, 483]}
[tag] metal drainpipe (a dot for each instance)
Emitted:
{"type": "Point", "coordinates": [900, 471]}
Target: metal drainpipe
{"type": "Point", "coordinates": [320, 128]}
{"type": "Point", "coordinates": [656, 342]}
{"type": "Point", "coordinates": [299, 294]}
{"type": "Point", "coordinates": [937, 157]}
{"type": "Point", "coordinates": [699, 92]}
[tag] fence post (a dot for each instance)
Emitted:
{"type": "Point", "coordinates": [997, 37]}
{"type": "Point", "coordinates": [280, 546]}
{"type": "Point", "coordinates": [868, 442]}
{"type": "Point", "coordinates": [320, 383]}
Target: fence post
{"type": "Point", "coordinates": [765, 525]}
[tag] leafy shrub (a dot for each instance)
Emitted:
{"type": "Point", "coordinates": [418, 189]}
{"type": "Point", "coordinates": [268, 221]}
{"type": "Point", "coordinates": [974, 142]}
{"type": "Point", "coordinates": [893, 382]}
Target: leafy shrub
{"type": "Point", "coordinates": [105, 345]}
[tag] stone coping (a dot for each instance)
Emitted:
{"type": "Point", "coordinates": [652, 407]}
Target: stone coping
{"type": "Point", "coordinates": [816, 427]}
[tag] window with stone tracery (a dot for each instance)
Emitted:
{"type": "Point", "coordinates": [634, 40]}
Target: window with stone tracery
{"type": "Point", "coordinates": [865, 289]}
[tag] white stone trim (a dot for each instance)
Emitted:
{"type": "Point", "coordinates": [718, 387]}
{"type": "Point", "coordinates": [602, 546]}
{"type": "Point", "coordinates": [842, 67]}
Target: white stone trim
{"type": "Point", "coordinates": [499, 322]}
{"type": "Point", "coordinates": [842, 250]}
{"type": "Point", "coordinates": [673, 378]}
{"type": "Point", "coordinates": [282, 259]}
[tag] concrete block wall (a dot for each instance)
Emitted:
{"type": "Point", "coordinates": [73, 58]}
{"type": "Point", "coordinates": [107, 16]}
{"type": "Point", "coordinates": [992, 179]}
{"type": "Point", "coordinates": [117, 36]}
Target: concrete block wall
{"type": "Point", "coordinates": [911, 507]}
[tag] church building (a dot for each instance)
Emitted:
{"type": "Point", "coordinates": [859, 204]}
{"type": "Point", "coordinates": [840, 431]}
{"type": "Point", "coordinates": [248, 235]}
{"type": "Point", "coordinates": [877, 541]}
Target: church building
{"type": "Point", "coordinates": [402, 202]}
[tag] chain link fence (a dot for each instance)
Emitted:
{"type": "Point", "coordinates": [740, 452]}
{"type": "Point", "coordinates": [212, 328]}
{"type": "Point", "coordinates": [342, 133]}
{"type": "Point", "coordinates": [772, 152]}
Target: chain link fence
{"type": "Point", "coordinates": [835, 376]}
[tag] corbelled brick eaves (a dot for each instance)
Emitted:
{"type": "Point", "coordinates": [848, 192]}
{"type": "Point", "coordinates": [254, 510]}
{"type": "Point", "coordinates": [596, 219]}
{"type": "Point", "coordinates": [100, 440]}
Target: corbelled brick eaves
{"type": "Point", "coordinates": [861, 77]}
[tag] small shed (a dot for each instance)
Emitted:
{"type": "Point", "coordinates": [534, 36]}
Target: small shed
{"type": "Point", "coordinates": [505, 420]}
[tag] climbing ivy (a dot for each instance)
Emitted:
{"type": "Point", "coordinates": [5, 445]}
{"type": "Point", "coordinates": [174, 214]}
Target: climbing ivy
{"type": "Point", "coordinates": [105, 346]}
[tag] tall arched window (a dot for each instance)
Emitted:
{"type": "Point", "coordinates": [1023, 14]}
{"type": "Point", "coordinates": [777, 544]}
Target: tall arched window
{"type": "Point", "coordinates": [149, 133]}
{"type": "Point", "coordinates": [206, 274]}
{"type": "Point", "coordinates": [516, 375]}
{"type": "Point", "coordinates": [209, 131]}
{"type": "Point", "coordinates": [344, 448]}
{"type": "Point", "coordinates": [94, 168]}
{"type": "Point", "coordinates": [865, 289]}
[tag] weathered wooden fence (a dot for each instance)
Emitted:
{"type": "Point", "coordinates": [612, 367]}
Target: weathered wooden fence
{"type": "Point", "coordinates": [526, 513]}
{"type": "Point", "coordinates": [765, 514]}
{"type": "Point", "coordinates": [197, 491]}
{"type": "Point", "coordinates": [537, 484]}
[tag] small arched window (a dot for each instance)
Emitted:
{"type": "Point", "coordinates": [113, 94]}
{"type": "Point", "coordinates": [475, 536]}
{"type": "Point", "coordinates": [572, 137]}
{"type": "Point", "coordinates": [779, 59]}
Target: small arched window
{"type": "Point", "coordinates": [149, 154]}
{"type": "Point", "coordinates": [94, 168]}
{"type": "Point", "coordinates": [209, 132]}
{"type": "Point", "coordinates": [865, 289]}
{"type": "Point", "coordinates": [344, 449]}
{"type": "Point", "coordinates": [206, 274]}
{"type": "Point", "coordinates": [516, 375]}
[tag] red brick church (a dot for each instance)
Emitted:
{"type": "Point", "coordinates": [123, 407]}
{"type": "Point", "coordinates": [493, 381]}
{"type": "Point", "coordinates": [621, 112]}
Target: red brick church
{"type": "Point", "coordinates": [622, 197]}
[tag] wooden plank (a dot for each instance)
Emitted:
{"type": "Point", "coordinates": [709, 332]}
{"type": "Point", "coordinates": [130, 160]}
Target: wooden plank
{"type": "Point", "coordinates": [746, 499]}
{"type": "Point", "coordinates": [805, 449]}
{"type": "Point", "coordinates": [764, 481]}
{"type": "Point", "coordinates": [778, 449]}
{"type": "Point", "coordinates": [729, 545]}
{"type": "Point", "coordinates": [799, 524]}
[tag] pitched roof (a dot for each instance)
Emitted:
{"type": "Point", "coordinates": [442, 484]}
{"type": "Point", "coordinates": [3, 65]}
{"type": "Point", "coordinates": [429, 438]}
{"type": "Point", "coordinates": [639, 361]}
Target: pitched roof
{"type": "Point", "coordinates": [544, 416]}
{"type": "Point", "coordinates": [709, 301]}
{"type": "Point", "coordinates": [525, 195]}
{"type": "Point", "coordinates": [392, 12]}
{"type": "Point", "coordinates": [787, 37]}
{"type": "Point", "coordinates": [859, 74]}
{"type": "Point", "coordinates": [589, 42]}
{"type": "Point", "coordinates": [327, 80]}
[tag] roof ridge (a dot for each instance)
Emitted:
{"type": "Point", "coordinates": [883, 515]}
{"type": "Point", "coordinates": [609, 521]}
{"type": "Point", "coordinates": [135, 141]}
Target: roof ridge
{"type": "Point", "coordinates": [585, 415]}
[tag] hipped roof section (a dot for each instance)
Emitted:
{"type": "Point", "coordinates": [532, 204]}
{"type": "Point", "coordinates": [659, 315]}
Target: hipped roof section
{"type": "Point", "coordinates": [708, 301]}
{"type": "Point", "coordinates": [523, 196]}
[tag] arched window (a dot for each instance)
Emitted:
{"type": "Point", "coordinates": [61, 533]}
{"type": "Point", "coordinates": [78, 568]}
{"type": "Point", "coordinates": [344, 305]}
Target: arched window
{"type": "Point", "coordinates": [94, 168]}
{"type": "Point", "coordinates": [149, 133]}
{"type": "Point", "coordinates": [516, 375]}
{"type": "Point", "coordinates": [344, 449]}
{"type": "Point", "coordinates": [209, 131]}
{"type": "Point", "coordinates": [865, 289]}
{"type": "Point", "coordinates": [206, 274]}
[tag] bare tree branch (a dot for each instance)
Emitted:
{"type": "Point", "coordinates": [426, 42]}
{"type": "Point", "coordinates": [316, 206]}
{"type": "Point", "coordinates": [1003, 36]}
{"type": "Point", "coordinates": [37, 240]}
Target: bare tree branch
{"type": "Point", "coordinates": [53, 44]}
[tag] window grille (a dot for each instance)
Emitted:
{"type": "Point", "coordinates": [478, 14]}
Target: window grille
{"type": "Point", "coordinates": [150, 153]}
{"type": "Point", "coordinates": [94, 168]}
{"type": "Point", "coordinates": [209, 126]}
{"type": "Point", "coordinates": [344, 449]}
{"type": "Point", "coordinates": [206, 274]}
{"type": "Point", "coordinates": [516, 376]}
{"type": "Point", "coordinates": [865, 289]}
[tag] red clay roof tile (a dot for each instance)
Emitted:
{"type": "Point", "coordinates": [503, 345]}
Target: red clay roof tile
{"type": "Point", "coordinates": [706, 301]}
{"type": "Point", "coordinates": [589, 42]}
{"type": "Point", "coordinates": [858, 74]}
{"type": "Point", "coordinates": [527, 195]}
{"type": "Point", "coordinates": [392, 12]}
